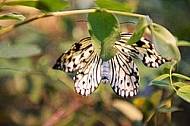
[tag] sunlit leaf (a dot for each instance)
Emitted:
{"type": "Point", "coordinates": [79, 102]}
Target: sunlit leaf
{"type": "Point", "coordinates": [104, 30]}
{"type": "Point", "coordinates": [129, 110]}
{"type": "Point", "coordinates": [18, 50]}
{"type": "Point", "coordinates": [179, 84]}
{"type": "Point", "coordinates": [181, 76]}
{"type": "Point", "coordinates": [165, 43]}
{"type": "Point", "coordinates": [12, 16]}
{"type": "Point", "coordinates": [161, 77]}
{"type": "Point", "coordinates": [143, 104]}
{"type": "Point", "coordinates": [166, 109]}
{"type": "Point", "coordinates": [184, 93]}
{"type": "Point", "coordinates": [139, 30]}
{"type": "Point", "coordinates": [183, 43]}
{"type": "Point", "coordinates": [113, 5]}
{"type": "Point", "coordinates": [155, 98]}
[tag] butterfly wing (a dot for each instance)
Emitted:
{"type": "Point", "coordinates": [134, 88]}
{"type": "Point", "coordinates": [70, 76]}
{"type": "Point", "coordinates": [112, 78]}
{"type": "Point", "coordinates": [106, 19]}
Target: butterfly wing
{"type": "Point", "coordinates": [144, 51]}
{"type": "Point", "coordinates": [72, 59]}
{"type": "Point", "coordinates": [124, 73]}
{"type": "Point", "coordinates": [88, 78]}
{"type": "Point", "coordinates": [81, 57]}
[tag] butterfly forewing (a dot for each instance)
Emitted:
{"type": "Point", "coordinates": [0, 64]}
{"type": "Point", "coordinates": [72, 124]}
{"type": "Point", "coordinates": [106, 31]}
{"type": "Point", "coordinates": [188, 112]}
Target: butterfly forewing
{"type": "Point", "coordinates": [72, 59]}
{"type": "Point", "coordinates": [144, 51]}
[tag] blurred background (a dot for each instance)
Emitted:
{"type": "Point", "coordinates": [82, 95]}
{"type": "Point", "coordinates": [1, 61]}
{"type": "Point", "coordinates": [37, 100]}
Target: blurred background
{"type": "Point", "coordinates": [31, 93]}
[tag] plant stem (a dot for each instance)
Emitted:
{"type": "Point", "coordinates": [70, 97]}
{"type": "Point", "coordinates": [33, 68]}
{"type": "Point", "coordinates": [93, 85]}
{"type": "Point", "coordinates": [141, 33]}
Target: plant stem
{"type": "Point", "coordinates": [171, 68]}
{"type": "Point", "coordinates": [126, 14]}
{"type": "Point", "coordinates": [66, 13]}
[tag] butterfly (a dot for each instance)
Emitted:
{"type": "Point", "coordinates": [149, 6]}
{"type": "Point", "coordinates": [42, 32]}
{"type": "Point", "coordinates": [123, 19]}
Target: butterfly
{"type": "Point", "coordinates": [120, 71]}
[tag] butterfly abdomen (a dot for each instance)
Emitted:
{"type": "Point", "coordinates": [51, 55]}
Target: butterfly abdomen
{"type": "Point", "coordinates": [105, 72]}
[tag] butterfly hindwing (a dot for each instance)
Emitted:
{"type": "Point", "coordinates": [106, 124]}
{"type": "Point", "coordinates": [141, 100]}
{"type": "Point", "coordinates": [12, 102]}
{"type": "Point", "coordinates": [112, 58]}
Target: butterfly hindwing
{"type": "Point", "coordinates": [88, 78]}
{"type": "Point", "coordinates": [124, 73]}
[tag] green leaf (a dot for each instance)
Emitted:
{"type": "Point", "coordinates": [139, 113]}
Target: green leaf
{"type": "Point", "coordinates": [184, 93]}
{"type": "Point", "coordinates": [143, 104]}
{"type": "Point", "coordinates": [139, 30]}
{"type": "Point", "coordinates": [104, 30]}
{"type": "Point", "coordinates": [181, 76]}
{"type": "Point", "coordinates": [113, 5]}
{"type": "Point", "coordinates": [179, 84]}
{"type": "Point", "coordinates": [183, 43]}
{"type": "Point", "coordinates": [30, 3]}
{"type": "Point", "coordinates": [165, 43]}
{"type": "Point", "coordinates": [12, 16]}
{"type": "Point", "coordinates": [157, 81]}
{"type": "Point", "coordinates": [18, 50]}
{"type": "Point", "coordinates": [43, 5]}
{"type": "Point", "coordinates": [162, 84]}
{"type": "Point", "coordinates": [51, 5]}
{"type": "Point", "coordinates": [161, 77]}
{"type": "Point", "coordinates": [156, 97]}
{"type": "Point", "coordinates": [166, 109]}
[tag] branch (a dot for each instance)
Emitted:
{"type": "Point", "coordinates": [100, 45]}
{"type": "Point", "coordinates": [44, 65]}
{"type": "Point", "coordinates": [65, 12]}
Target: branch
{"type": "Point", "coordinates": [66, 13]}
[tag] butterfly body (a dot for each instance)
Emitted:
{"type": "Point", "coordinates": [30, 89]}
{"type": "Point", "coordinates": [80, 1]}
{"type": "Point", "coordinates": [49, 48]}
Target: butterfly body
{"type": "Point", "coordinates": [105, 72]}
{"type": "Point", "coordinates": [120, 71]}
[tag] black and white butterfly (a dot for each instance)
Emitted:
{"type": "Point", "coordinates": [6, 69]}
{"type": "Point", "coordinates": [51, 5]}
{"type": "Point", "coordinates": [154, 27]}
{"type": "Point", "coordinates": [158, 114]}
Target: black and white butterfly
{"type": "Point", "coordinates": [120, 71]}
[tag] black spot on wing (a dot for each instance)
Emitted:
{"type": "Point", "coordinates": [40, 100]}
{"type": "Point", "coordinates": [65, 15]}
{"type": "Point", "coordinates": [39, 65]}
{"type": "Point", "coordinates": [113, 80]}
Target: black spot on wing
{"type": "Point", "coordinates": [58, 63]}
{"type": "Point", "coordinates": [140, 43]}
{"type": "Point", "coordinates": [68, 52]}
{"type": "Point", "coordinates": [77, 46]}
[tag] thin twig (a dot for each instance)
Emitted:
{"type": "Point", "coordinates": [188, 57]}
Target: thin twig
{"type": "Point", "coordinates": [66, 13]}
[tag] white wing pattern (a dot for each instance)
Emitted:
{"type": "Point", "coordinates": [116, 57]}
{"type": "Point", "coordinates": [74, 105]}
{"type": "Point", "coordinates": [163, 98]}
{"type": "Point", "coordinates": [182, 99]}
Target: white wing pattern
{"type": "Point", "coordinates": [120, 71]}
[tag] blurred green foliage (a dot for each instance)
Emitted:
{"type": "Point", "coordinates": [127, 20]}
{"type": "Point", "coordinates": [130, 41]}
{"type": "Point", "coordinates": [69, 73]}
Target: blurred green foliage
{"type": "Point", "coordinates": [31, 93]}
